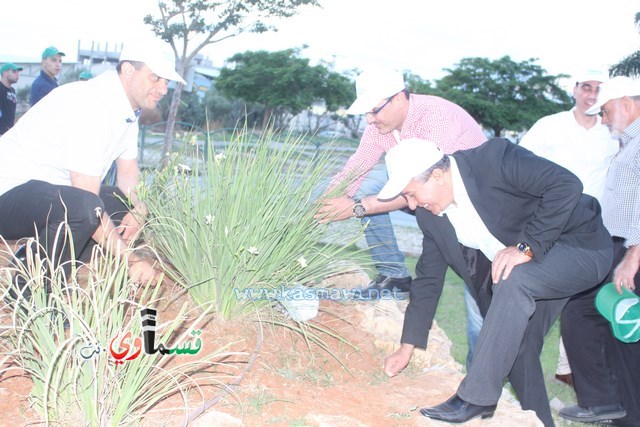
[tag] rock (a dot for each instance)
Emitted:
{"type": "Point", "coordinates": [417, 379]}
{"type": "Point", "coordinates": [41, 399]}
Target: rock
{"type": "Point", "coordinates": [384, 319]}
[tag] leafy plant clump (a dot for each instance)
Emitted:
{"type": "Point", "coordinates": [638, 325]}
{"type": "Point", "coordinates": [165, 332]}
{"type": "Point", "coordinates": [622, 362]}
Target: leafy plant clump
{"type": "Point", "coordinates": [63, 339]}
{"type": "Point", "coordinates": [237, 224]}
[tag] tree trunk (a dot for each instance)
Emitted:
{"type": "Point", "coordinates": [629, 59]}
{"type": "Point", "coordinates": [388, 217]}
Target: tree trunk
{"type": "Point", "coordinates": [266, 119]}
{"type": "Point", "coordinates": [171, 125]}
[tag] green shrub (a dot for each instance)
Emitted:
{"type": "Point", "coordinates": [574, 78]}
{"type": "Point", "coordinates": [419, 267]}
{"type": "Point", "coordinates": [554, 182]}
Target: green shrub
{"type": "Point", "coordinates": [72, 389]}
{"type": "Point", "coordinates": [242, 219]}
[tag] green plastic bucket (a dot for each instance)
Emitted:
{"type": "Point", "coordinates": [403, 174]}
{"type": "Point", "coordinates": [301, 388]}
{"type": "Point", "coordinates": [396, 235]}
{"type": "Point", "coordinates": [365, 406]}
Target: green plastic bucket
{"type": "Point", "coordinates": [621, 310]}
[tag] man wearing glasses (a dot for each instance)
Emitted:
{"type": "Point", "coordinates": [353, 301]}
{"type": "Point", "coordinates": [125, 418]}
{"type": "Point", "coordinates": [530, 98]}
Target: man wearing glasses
{"type": "Point", "coordinates": [393, 114]}
{"type": "Point", "coordinates": [9, 75]}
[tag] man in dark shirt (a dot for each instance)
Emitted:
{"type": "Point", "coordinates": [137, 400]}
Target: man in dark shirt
{"type": "Point", "coordinates": [46, 81]}
{"type": "Point", "coordinates": [9, 74]}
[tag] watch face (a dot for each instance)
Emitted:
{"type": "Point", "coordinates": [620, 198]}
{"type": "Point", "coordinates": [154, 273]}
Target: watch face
{"type": "Point", "coordinates": [358, 210]}
{"type": "Point", "coordinates": [524, 248]}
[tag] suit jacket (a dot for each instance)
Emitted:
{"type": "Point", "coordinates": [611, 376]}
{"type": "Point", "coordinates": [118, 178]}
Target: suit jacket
{"type": "Point", "coordinates": [520, 197]}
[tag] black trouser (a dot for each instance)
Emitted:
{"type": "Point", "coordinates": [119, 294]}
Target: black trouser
{"type": "Point", "coordinates": [38, 208]}
{"type": "Point", "coordinates": [605, 370]}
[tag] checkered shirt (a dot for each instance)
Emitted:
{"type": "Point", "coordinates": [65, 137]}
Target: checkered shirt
{"type": "Point", "coordinates": [621, 199]}
{"type": "Point", "coordinates": [430, 118]}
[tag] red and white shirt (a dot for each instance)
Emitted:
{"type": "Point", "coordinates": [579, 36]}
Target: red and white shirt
{"type": "Point", "coordinates": [430, 118]}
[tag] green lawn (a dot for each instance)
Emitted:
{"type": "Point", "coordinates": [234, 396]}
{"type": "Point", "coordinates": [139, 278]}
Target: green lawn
{"type": "Point", "coordinates": [451, 317]}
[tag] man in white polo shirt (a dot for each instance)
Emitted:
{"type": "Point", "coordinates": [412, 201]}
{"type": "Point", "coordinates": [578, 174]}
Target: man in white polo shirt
{"type": "Point", "coordinates": [52, 162]}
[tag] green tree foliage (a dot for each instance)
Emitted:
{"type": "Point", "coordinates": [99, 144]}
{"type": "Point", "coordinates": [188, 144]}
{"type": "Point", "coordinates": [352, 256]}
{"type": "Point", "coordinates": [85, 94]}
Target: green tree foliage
{"type": "Point", "coordinates": [226, 113]}
{"type": "Point", "coordinates": [630, 65]}
{"type": "Point", "coordinates": [283, 82]}
{"type": "Point", "coordinates": [190, 25]}
{"type": "Point", "coordinates": [191, 109]}
{"type": "Point", "coordinates": [415, 84]}
{"type": "Point", "coordinates": [504, 94]}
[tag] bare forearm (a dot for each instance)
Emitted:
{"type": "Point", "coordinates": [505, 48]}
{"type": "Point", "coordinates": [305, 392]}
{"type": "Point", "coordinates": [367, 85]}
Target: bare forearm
{"type": "Point", "coordinates": [127, 182]}
{"type": "Point", "coordinates": [374, 206]}
{"type": "Point", "coordinates": [108, 237]}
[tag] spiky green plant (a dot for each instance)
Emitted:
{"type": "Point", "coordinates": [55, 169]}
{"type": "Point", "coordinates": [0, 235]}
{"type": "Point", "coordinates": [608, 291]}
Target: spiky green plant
{"type": "Point", "coordinates": [237, 224]}
{"type": "Point", "coordinates": [98, 301]}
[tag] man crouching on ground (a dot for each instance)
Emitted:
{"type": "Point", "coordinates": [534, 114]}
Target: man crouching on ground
{"type": "Point", "coordinates": [546, 242]}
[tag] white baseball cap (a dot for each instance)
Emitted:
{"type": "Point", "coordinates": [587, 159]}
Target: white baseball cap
{"type": "Point", "coordinates": [157, 55]}
{"type": "Point", "coordinates": [617, 87]}
{"type": "Point", "coordinates": [374, 85]}
{"type": "Point", "coordinates": [406, 160]}
{"type": "Point", "coordinates": [596, 75]}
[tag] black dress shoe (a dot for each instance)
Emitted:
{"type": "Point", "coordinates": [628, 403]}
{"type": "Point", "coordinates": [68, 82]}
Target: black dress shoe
{"type": "Point", "coordinates": [385, 287]}
{"type": "Point", "coordinates": [456, 410]}
{"type": "Point", "coordinates": [593, 413]}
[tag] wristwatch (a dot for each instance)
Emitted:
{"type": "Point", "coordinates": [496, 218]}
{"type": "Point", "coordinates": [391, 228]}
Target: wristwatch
{"type": "Point", "coordinates": [524, 249]}
{"type": "Point", "coordinates": [358, 209]}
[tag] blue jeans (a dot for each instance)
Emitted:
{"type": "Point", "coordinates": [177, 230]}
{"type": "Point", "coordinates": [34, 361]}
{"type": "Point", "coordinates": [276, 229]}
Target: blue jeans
{"type": "Point", "coordinates": [383, 246]}
{"type": "Point", "coordinates": [474, 323]}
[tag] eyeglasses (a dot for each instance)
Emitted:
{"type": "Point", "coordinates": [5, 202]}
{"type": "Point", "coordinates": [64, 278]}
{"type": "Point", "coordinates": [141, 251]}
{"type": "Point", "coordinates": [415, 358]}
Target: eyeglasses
{"type": "Point", "coordinates": [375, 111]}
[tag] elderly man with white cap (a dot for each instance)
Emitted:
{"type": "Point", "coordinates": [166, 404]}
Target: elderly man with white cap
{"type": "Point", "coordinates": [606, 371]}
{"type": "Point", "coordinates": [52, 162]}
{"type": "Point", "coordinates": [546, 242]}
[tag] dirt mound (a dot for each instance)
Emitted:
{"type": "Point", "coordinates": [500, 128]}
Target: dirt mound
{"type": "Point", "coordinates": [296, 382]}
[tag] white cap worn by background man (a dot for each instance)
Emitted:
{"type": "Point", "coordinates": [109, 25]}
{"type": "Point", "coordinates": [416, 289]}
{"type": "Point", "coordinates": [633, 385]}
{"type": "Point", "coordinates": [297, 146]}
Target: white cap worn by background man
{"type": "Point", "coordinates": [374, 85]}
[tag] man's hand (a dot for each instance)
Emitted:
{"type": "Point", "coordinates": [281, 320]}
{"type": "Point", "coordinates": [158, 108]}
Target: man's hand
{"type": "Point", "coordinates": [335, 209]}
{"type": "Point", "coordinates": [625, 273]}
{"type": "Point", "coordinates": [504, 262]}
{"type": "Point", "coordinates": [142, 270]}
{"type": "Point", "coordinates": [397, 361]}
{"type": "Point", "coordinates": [129, 227]}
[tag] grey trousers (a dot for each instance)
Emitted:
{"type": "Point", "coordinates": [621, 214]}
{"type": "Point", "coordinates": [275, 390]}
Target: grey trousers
{"type": "Point", "coordinates": [522, 311]}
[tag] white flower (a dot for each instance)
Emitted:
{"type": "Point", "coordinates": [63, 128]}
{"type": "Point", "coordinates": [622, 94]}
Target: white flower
{"type": "Point", "coordinates": [180, 168]}
{"type": "Point", "coordinates": [208, 219]}
{"type": "Point", "coordinates": [302, 261]}
{"type": "Point", "coordinates": [193, 140]}
{"type": "Point", "coordinates": [253, 250]}
{"type": "Point", "coordinates": [219, 157]}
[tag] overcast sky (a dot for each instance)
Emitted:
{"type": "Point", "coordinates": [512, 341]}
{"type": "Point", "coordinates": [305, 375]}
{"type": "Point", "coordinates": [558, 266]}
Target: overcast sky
{"type": "Point", "coordinates": [420, 36]}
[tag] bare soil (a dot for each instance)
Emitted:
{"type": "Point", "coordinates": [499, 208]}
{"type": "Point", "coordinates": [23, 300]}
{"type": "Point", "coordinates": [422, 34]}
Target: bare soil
{"type": "Point", "coordinates": [294, 382]}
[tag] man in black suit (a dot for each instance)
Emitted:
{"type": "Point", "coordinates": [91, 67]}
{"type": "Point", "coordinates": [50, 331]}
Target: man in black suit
{"type": "Point", "coordinates": [544, 238]}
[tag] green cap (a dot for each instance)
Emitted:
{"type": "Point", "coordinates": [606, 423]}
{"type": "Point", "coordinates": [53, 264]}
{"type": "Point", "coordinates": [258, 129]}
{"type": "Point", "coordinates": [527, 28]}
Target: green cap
{"type": "Point", "coordinates": [85, 75]}
{"type": "Point", "coordinates": [9, 66]}
{"type": "Point", "coordinates": [51, 51]}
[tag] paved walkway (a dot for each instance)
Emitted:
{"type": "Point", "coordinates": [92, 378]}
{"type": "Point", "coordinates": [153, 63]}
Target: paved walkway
{"type": "Point", "coordinates": [406, 230]}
